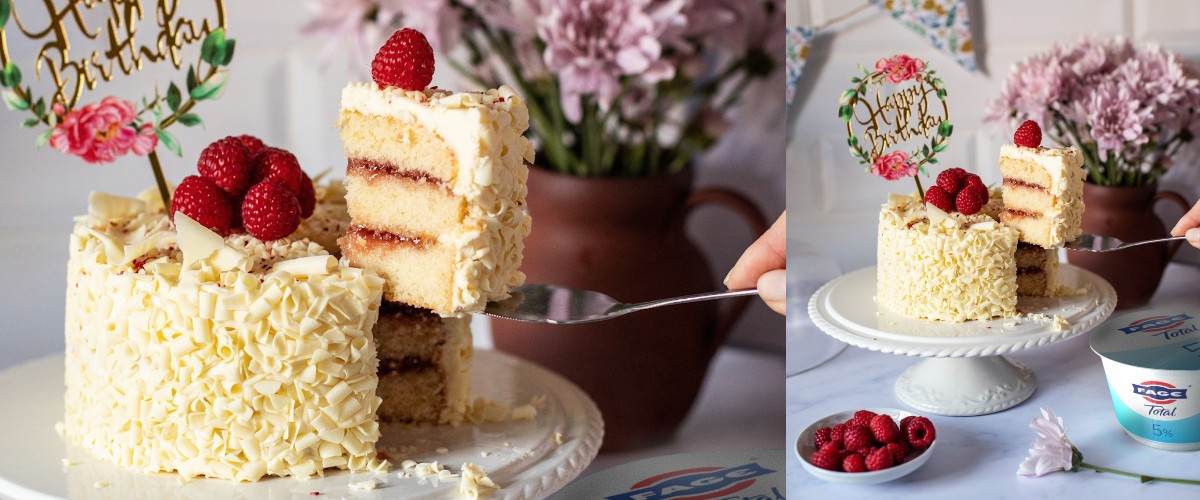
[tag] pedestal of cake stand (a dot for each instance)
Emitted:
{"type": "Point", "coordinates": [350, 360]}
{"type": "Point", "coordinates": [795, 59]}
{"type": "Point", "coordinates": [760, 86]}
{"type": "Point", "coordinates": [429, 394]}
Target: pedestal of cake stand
{"type": "Point", "coordinates": [964, 387]}
{"type": "Point", "coordinates": [964, 373]}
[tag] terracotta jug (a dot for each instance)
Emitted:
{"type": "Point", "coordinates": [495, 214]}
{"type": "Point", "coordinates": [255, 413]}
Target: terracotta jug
{"type": "Point", "coordinates": [625, 237]}
{"type": "Point", "coordinates": [1127, 213]}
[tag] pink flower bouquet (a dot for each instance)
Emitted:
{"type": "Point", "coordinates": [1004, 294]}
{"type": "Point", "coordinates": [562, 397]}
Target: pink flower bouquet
{"type": "Point", "coordinates": [1131, 111]}
{"type": "Point", "coordinates": [614, 87]}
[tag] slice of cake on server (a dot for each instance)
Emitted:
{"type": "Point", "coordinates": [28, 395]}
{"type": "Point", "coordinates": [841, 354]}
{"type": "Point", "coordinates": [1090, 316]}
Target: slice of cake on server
{"type": "Point", "coordinates": [435, 188]}
{"type": "Point", "coordinates": [1043, 189]}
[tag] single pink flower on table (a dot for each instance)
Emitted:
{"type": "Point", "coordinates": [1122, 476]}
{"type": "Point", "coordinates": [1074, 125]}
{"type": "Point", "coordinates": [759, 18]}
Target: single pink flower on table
{"type": "Point", "coordinates": [893, 166]}
{"type": "Point", "coordinates": [1051, 450]}
{"type": "Point", "coordinates": [100, 132]}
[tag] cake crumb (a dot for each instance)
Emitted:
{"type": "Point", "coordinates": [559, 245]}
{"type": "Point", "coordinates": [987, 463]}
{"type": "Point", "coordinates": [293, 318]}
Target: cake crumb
{"type": "Point", "coordinates": [369, 484]}
{"type": "Point", "coordinates": [524, 412]}
{"type": "Point", "coordinates": [558, 439]}
{"type": "Point", "coordinates": [485, 454]}
{"type": "Point", "coordinates": [1060, 323]}
{"type": "Point", "coordinates": [475, 481]}
{"type": "Point", "coordinates": [442, 451]}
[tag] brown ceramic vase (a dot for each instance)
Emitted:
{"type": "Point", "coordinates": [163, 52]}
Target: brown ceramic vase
{"type": "Point", "coordinates": [625, 237]}
{"type": "Point", "coordinates": [1127, 213]}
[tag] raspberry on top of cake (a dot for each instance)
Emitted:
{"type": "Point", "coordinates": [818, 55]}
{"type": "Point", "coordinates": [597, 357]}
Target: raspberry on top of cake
{"type": "Point", "coordinates": [435, 183]}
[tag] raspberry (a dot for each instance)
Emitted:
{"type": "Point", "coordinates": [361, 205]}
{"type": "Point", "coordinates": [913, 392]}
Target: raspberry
{"type": "Point", "coordinates": [837, 433]}
{"type": "Point", "coordinates": [1029, 135]}
{"type": "Point", "coordinates": [854, 463]}
{"type": "Point", "coordinates": [973, 180]}
{"type": "Point", "coordinates": [920, 432]}
{"type": "Point", "coordinates": [307, 197]}
{"type": "Point", "coordinates": [832, 446]}
{"type": "Point", "coordinates": [281, 167]}
{"type": "Point", "coordinates": [879, 459]}
{"type": "Point", "coordinates": [826, 460]}
{"type": "Point", "coordinates": [904, 423]}
{"type": "Point", "coordinates": [951, 180]}
{"type": "Point", "coordinates": [938, 197]}
{"type": "Point", "coordinates": [203, 201]}
{"type": "Point", "coordinates": [227, 164]}
{"type": "Point", "coordinates": [884, 429]}
{"type": "Point", "coordinates": [862, 417]}
{"type": "Point", "coordinates": [253, 144]}
{"type": "Point", "coordinates": [971, 199]}
{"type": "Point", "coordinates": [270, 211]}
{"type": "Point", "coordinates": [899, 450]}
{"type": "Point", "coordinates": [857, 436]}
{"type": "Point", "coordinates": [821, 436]}
{"type": "Point", "coordinates": [405, 60]}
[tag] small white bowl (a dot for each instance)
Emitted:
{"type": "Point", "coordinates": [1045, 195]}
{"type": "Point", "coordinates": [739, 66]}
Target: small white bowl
{"type": "Point", "coordinates": [805, 449]}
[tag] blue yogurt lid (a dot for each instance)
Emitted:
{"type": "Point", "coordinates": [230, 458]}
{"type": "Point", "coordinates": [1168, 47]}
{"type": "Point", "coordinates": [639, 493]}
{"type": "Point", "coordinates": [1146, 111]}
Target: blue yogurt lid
{"type": "Point", "coordinates": [1165, 339]}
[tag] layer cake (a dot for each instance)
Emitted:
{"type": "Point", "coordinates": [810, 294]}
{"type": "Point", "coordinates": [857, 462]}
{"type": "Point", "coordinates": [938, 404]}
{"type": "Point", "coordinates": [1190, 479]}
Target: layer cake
{"type": "Point", "coordinates": [436, 190]}
{"type": "Point", "coordinates": [221, 357]}
{"type": "Point", "coordinates": [948, 267]}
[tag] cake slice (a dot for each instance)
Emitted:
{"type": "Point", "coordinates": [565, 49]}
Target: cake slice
{"type": "Point", "coordinates": [1037, 270]}
{"type": "Point", "coordinates": [435, 188]}
{"type": "Point", "coordinates": [424, 365]}
{"type": "Point", "coordinates": [1043, 193]}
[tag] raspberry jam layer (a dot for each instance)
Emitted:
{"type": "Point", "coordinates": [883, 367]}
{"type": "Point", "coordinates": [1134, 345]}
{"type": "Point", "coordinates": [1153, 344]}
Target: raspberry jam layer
{"type": "Point", "coordinates": [1015, 183]}
{"type": "Point", "coordinates": [405, 364]}
{"type": "Point", "coordinates": [371, 170]}
{"type": "Point", "coordinates": [386, 238]}
{"type": "Point", "coordinates": [1018, 214]}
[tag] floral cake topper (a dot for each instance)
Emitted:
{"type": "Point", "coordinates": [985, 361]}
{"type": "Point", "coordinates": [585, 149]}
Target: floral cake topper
{"type": "Point", "coordinates": [111, 127]}
{"type": "Point", "coordinates": [902, 102]}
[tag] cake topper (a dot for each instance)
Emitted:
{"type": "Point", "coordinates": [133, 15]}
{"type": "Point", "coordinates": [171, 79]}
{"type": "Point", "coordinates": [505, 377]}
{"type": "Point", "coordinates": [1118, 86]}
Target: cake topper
{"type": "Point", "coordinates": [104, 129]}
{"type": "Point", "coordinates": [901, 103]}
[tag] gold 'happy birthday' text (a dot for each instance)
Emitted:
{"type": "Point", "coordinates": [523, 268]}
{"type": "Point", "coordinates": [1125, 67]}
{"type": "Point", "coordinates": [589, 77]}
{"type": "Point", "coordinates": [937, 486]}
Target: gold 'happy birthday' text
{"type": "Point", "coordinates": [121, 53]}
{"type": "Point", "coordinates": [898, 117]}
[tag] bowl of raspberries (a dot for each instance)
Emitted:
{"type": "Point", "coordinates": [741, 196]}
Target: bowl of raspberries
{"type": "Point", "coordinates": [865, 446]}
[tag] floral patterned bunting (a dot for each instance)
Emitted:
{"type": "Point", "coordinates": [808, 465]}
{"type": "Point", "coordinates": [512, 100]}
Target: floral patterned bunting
{"type": "Point", "coordinates": [944, 23]}
{"type": "Point", "coordinates": [799, 39]}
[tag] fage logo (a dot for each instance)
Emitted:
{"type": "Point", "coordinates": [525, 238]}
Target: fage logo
{"type": "Point", "coordinates": [1159, 393]}
{"type": "Point", "coordinates": [699, 483]}
{"type": "Point", "coordinates": [1155, 324]}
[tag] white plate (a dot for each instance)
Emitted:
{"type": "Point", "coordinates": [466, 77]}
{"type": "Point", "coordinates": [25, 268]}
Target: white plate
{"type": "Point", "coordinates": [522, 457]}
{"type": "Point", "coordinates": [845, 308]}
{"type": "Point", "coordinates": [805, 449]}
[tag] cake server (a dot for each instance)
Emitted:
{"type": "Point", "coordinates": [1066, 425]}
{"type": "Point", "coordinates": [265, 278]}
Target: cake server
{"type": "Point", "coordinates": [563, 306]}
{"type": "Point", "coordinates": [1097, 243]}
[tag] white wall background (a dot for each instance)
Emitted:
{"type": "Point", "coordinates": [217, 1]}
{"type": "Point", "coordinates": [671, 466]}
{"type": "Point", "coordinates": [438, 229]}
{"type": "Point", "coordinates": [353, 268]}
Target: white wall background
{"type": "Point", "coordinates": [278, 92]}
{"type": "Point", "coordinates": [833, 205]}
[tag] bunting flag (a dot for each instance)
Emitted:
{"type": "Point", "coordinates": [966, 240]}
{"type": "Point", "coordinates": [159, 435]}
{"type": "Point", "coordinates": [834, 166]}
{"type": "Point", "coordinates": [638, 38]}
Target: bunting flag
{"type": "Point", "coordinates": [944, 23]}
{"type": "Point", "coordinates": [799, 38]}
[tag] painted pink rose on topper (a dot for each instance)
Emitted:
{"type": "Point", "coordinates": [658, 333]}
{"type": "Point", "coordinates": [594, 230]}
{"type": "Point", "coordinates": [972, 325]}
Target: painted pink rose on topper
{"type": "Point", "coordinates": [894, 165]}
{"type": "Point", "coordinates": [900, 68]}
{"type": "Point", "coordinates": [103, 131]}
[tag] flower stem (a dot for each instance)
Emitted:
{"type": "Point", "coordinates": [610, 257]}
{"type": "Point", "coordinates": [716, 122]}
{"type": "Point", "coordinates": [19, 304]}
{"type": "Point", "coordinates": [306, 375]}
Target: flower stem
{"type": "Point", "coordinates": [162, 181]}
{"type": "Point", "coordinates": [1143, 478]}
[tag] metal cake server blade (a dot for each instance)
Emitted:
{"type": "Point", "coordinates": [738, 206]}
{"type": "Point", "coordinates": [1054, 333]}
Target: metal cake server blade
{"type": "Point", "coordinates": [564, 306]}
{"type": "Point", "coordinates": [1096, 243]}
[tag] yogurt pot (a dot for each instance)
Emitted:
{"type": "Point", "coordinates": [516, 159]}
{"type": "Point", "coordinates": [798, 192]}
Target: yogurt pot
{"type": "Point", "coordinates": [1152, 363]}
{"type": "Point", "coordinates": [729, 474]}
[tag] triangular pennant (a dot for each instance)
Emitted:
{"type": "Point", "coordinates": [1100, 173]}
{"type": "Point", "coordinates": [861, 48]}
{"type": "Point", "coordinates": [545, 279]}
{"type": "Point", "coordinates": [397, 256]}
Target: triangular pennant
{"type": "Point", "coordinates": [799, 38]}
{"type": "Point", "coordinates": [944, 23]}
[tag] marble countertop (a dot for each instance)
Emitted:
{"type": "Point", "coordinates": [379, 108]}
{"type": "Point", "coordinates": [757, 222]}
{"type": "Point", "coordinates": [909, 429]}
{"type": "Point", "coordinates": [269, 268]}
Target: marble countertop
{"type": "Point", "coordinates": [979, 455]}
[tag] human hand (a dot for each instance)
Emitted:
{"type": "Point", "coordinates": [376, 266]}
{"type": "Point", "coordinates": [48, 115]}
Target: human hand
{"type": "Point", "coordinates": [1189, 225]}
{"type": "Point", "coordinates": [763, 265]}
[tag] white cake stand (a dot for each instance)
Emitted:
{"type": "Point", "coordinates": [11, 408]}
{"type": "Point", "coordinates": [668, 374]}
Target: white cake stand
{"type": "Point", "coordinates": [964, 373]}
